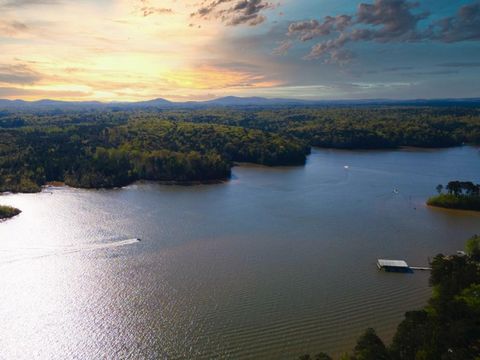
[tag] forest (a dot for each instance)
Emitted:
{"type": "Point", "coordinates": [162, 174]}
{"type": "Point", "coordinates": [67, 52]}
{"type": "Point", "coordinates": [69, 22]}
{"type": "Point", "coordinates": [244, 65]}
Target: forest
{"type": "Point", "coordinates": [113, 147]}
{"type": "Point", "coordinates": [448, 328]}
{"type": "Point", "coordinates": [380, 127]}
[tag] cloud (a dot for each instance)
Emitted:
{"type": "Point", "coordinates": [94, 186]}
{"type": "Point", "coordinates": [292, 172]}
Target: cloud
{"type": "Point", "coordinates": [208, 77]}
{"type": "Point", "coordinates": [283, 47]}
{"type": "Point", "coordinates": [307, 30]}
{"type": "Point", "coordinates": [22, 3]}
{"type": "Point", "coordinates": [18, 74]}
{"type": "Point", "coordinates": [12, 92]}
{"type": "Point", "coordinates": [340, 57]}
{"type": "Point", "coordinates": [394, 17]}
{"type": "Point", "coordinates": [238, 66]}
{"type": "Point", "coordinates": [145, 8]}
{"type": "Point", "coordinates": [398, 68]}
{"type": "Point", "coordinates": [429, 73]}
{"type": "Point", "coordinates": [384, 21]}
{"type": "Point", "coordinates": [327, 47]}
{"type": "Point", "coordinates": [150, 10]}
{"type": "Point", "coordinates": [12, 28]}
{"type": "Point", "coordinates": [460, 64]}
{"type": "Point", "coordinates": [463, 26]}
{"type": "Point", "coordinates": [234, 12]}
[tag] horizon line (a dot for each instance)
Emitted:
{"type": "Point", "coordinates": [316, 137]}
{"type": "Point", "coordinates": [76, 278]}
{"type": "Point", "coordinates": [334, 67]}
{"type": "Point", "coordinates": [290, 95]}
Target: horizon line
{"type": "Point", "coordinates": [279, 99]}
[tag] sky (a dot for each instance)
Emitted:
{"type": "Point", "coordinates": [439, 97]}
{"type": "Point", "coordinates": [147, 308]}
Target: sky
{"type": "Point", "coordinates": [132, 50]}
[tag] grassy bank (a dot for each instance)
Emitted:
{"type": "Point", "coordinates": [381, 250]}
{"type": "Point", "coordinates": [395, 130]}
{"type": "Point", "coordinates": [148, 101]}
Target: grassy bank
{"type": "Point", "coordinates": [7, 212]}
{"type": "Point", "coordinates": [451, 201]}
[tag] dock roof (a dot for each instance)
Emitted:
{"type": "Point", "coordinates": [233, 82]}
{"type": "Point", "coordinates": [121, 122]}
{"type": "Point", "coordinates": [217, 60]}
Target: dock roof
{"type": "Point", "coordinates": [392, 263]}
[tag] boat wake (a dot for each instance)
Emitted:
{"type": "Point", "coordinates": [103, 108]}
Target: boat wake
{"type": "Point", "coordinates": [11, 255]}
{"type": "Point", "coordinates": [108, 245]}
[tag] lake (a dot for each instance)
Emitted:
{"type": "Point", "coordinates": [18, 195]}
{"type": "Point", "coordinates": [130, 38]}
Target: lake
{"type": "Point", "coordinates": [275, 263]}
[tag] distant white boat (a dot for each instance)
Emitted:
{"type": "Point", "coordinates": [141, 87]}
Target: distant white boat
{"type": "Point", "coordinates": [346, 167]}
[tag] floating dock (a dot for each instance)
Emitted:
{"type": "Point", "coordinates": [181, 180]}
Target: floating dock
{"type": "Point", "coordinates": [398, 266]}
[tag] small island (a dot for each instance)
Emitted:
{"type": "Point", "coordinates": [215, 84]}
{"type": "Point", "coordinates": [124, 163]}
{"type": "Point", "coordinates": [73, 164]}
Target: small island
{"type": "Point", "coordinates": [7, 212]}
{"type": "Point", "coordinates": [461, 195]}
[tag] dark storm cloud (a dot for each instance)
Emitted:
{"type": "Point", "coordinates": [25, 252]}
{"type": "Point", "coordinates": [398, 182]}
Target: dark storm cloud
{"type": "Point", "coordinates": [384, 21]}
{"type": "Point", "coordinates": [234, 12]}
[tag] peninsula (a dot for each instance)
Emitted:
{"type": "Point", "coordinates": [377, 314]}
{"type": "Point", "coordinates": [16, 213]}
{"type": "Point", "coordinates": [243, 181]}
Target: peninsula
{"type": "Point", "coordinates": [461, 195]}
{"type": "Point", "coordinates": [7, 212]}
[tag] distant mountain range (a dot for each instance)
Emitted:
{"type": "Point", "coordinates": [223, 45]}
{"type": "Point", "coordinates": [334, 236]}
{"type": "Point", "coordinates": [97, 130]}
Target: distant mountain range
{"type": "Point", "coordinates": [229, 101]}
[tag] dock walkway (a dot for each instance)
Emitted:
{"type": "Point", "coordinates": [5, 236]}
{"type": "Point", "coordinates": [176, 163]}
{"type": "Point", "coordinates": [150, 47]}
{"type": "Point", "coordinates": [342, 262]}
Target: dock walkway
{"type": "Point", "coordinates": [399, 266]}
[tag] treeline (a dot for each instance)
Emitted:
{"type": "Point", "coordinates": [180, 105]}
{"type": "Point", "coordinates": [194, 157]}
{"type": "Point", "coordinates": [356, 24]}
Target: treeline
{"type": "Point", "coordinates": [341, 127]}
{"type": "Point", "coordinates": [354, 128]}
{"type": "Point", "coordinates": [108, 148]}
{"type": "Point", "coordinates": [458, 188]}
{"type": "Point", "coordinates": [448, 328]}
{"type": "Point", "coordinates": [463, 195]}
{"type": "Point", "coordinates": [99, 154]}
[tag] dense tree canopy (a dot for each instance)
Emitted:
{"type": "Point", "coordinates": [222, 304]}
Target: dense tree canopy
{"type": "Point", "coordinates": [354, 128]}
{"type": "Point", "coordinates": [112, 151]}
{"type": "Point", "coordinates": [113, 147]}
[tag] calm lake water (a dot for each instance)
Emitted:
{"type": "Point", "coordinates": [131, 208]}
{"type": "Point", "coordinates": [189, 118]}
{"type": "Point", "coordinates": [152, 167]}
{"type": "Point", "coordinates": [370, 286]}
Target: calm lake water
{"type": "Point", "coordinates": [275, 263]}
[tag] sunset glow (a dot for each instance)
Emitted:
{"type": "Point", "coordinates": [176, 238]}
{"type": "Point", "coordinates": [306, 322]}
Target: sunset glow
{"type": "Point", "coordinates": [119, 50]}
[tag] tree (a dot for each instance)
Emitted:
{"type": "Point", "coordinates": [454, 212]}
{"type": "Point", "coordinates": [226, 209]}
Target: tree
{"type": "Point", "coordinates": [370, 347]}
{"type": "Point", "coordinates": [472, 247]}
{"type": "Point", "coordinates": [322, 356]}
{"type": "Point", "coordinates": [454, 187]}
{"type": "Point", "coordinates": [471, 297]}
{"type": "Point", "coordinates": [439, 188]}
{"type": "Point", "coordinates": [411, 336]}
{"type": "Point", "coordinates": [305, 357]}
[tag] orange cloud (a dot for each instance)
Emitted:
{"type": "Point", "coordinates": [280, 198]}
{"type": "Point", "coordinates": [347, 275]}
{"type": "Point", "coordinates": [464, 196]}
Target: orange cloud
{"type": "Point", "coordinates": [116, 51]}
{"type": "Point", "coordinates": [208, 78]}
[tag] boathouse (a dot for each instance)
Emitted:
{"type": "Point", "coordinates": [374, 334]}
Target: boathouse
{"type": "Point", "coordinates": [393, 265]}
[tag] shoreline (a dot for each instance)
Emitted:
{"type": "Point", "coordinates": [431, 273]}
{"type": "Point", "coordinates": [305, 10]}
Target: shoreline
{"type": "Point", "coordinates": [455, 202]}
{"type": "Point", "coordinates": [437, 207]}
{"type": "Point", "coordinates": [453, 212]}
{"type": "Point", "coordinates": [314, 148]}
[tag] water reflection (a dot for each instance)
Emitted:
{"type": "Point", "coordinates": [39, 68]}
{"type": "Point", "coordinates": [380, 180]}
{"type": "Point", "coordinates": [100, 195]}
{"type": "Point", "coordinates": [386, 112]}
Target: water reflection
{"type": "Point", "coordinates": [273, 264]}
